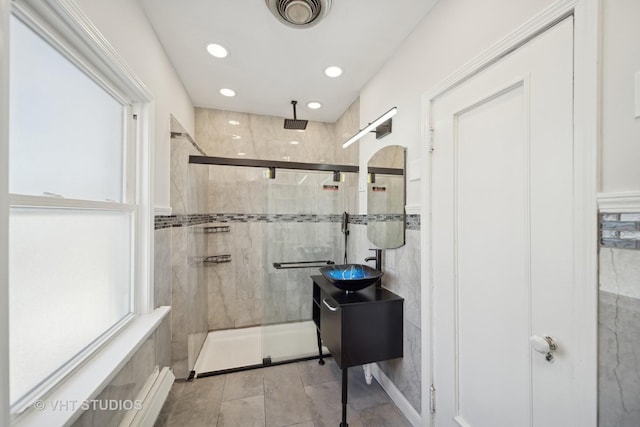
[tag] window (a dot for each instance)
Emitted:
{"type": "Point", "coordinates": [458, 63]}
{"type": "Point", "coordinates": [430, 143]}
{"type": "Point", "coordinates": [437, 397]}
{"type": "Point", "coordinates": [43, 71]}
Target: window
{"type": "Point", "coordinates": [77, 219]}
{"type": "Point", "coordinates": [66, 132]}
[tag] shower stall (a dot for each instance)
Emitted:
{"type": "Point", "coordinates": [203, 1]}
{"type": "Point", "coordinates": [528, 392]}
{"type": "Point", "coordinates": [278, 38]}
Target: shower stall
{"type": "Point", "coordinates": [268, 226]}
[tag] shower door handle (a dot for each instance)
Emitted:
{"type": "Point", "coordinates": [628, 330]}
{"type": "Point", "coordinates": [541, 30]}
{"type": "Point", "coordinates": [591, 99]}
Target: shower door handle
{"type": "Point", "coordinates": [329, 306]}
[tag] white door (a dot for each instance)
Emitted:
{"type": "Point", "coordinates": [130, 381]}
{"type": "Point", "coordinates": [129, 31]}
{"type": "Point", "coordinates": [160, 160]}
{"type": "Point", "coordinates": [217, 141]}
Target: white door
{"type": "Point", "coordinates": [502, 248]}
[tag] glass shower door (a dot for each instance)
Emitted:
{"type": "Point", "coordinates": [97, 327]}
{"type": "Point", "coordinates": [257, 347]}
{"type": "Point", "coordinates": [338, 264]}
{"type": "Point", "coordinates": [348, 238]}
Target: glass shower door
{"type": "Point", "coordinates": [304, 212]}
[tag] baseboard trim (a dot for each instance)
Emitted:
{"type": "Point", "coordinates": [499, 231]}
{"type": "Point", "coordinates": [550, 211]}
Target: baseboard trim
{"type": "Point", "coordinates": [398, 398]}
{"type": "Point", "coordinates": [153, 395]}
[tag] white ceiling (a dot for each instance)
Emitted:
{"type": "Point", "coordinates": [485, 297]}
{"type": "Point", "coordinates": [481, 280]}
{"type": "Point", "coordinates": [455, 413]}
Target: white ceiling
{"type": "Point", "coordinates": [270, 64]}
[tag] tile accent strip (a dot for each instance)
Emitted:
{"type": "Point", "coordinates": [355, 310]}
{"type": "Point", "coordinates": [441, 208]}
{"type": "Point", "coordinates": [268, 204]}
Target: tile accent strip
{"type": "Point", "coordinates": [197, 219]}
{"type": "Point", "coordinates": [358, 219]}
{"type": "Point", "coordinates": [412, 222]}
{"type": "Point", "coordinates": [620, 230]}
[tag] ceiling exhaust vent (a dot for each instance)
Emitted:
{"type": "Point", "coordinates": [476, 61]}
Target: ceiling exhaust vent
{"type": "Point", "coordinates": [299, 13]}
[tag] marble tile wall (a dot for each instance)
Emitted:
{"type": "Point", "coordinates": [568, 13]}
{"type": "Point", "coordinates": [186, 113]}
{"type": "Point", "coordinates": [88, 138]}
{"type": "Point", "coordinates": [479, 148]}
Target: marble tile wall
{"type": "Point", "coordinates": [249, 290]}
{"type": "Point", "coordinates": [291, 218]}
{"type": "Point", "coordinates": [345, 127]}
{"type": "Point", "coordinates": [402, 276]}
{"type": "Point", "coordinates": [162, 267]}
{"type": "Point", "coordinates": [129, 381]}
{"type": "Point", "coordinates": [189, 313]}
{"type": "Point", "coordinates": [246, 191]}
{"type": "Point", "coordinates": [227, 133]}
{"type": "Point", "coordinates": [619, 338]}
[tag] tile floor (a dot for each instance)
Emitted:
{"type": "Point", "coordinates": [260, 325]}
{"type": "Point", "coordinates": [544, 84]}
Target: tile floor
{"type": "Point", "coordinates": [302, 394]}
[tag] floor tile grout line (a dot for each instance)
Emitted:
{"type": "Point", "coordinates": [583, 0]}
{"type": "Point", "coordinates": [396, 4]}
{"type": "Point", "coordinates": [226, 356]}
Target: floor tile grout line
{"type": "Point", "coordinates": [241, 398]}
{"type": "Point", "coordinates": [264, 401]}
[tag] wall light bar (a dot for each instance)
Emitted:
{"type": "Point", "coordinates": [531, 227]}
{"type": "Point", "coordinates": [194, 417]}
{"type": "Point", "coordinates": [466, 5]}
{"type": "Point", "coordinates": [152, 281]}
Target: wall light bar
{"type": "Point", "coordinates": [374, 124]}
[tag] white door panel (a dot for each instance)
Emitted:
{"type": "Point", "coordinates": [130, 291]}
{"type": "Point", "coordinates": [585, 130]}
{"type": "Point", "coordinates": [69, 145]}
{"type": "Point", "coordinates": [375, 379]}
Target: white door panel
{"type": "Point", "coordinates": [502, 267]}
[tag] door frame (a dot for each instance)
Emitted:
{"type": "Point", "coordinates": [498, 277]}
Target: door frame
{"type": "Point", "coordinates": [586, 132]}
{"type": "Point", "coordinates": [5, 6]}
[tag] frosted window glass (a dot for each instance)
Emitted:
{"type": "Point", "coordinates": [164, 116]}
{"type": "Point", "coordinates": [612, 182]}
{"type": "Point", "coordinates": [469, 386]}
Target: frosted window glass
{"type": "Point", "coordinates": [66, 132]}
{"type": "Point", "coordinates": [69, 282]}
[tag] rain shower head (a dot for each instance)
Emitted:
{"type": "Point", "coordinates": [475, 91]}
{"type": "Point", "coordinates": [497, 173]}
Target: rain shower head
{"type": "Point", "coordinates": [295, 123]}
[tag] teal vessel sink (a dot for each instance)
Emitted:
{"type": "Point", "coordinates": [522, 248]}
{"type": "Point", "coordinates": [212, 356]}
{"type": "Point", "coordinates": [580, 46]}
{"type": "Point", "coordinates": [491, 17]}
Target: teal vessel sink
{"type": "Point", "coordinates": [351, 277]}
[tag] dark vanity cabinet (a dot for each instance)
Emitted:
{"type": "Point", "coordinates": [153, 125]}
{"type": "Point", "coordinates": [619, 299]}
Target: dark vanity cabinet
{"type": "Point", "coordinates": [357, 327]}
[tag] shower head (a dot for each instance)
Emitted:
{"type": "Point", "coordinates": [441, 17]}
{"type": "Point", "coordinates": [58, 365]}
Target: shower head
{"type": "Point", "coordinates": [295, 123]}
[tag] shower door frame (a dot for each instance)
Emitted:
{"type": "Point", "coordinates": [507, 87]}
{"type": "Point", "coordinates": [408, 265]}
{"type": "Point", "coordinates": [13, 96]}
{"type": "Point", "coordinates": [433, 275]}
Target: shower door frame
{"type": "Point", "coordinates": [284, 165]}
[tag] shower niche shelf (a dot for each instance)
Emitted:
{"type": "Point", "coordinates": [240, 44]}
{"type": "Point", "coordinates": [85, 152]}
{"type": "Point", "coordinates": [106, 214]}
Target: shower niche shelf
{"type": "Point", "coordinates": [215, 229]}
{"type": "Point", "coordinates": [217, 259]}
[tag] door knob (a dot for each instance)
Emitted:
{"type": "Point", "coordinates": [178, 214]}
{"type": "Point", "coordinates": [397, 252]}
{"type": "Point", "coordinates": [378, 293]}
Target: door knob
{"type": "Point", "coordinates": [545, 345]}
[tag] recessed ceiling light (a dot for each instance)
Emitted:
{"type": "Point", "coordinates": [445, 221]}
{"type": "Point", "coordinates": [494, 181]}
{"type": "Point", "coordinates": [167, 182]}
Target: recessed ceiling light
{"type": "Point", "coordinates": [217, 50]}
{"type": "Point", "coordinates": [234, 122]}
{"type": "Point", "coordinates": [236, 137]}
{"type": "Point", "coordinates": [294, 142]}
{"type": "Point", "coordinates": [314, 105]}
{"type": "Point", "coordinates": [227, 92]}
{"type": "Point", "coordinates": [241, 154]}
{"type": "Point", "coordinates": [333, 71]}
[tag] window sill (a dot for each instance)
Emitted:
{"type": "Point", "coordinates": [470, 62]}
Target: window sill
{"type": "Point", "coordinates": [63, 404]}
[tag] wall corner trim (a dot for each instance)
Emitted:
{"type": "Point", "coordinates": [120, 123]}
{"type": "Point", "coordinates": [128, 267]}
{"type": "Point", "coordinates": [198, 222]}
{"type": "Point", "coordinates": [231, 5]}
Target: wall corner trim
{"type": "Point", "coordinates": [617, 202]}
{"type": "Point", "coordinates": [413, 209]}
{"type": "Point", "coordinates": [396, 395]}
{"type": "Point", "coordinates": [162, 210]}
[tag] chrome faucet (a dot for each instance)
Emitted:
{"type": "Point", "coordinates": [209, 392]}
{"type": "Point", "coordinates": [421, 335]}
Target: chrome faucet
{"type": "Point", "coordinates": [378, 259]}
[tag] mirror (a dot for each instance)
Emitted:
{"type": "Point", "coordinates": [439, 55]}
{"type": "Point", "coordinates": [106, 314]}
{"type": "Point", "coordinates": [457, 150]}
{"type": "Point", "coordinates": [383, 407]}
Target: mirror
{"type": "Point", "coordinates": [386, 197]}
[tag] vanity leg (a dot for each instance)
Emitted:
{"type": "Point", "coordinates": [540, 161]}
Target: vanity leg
{"type": "Point", "coordinates": [321, 361]}
{"type": "Point", "coordinates": [344, 398]}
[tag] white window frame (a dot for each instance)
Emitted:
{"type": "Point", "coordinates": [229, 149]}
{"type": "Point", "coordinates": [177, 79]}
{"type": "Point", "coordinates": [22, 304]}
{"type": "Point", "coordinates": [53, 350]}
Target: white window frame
{"type": "Point", "coordinates": [4, 209]}
{"type": "Point", "coordinates": [63, 25]}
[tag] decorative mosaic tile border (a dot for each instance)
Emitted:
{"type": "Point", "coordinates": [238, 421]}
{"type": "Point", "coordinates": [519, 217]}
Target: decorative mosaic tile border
{"type": "Point", "coordinates": [167, 221]}
{"type": "Point", "coordinates": [358, 219]}
{"type": "Point", "coordinates": [385, 217]}
{"type": "Point", "coordinates": [413, 222]}
{"type": "Point", "coordinates": [197, 219]}
{"type": "Point", "coordinates": [620, 230]}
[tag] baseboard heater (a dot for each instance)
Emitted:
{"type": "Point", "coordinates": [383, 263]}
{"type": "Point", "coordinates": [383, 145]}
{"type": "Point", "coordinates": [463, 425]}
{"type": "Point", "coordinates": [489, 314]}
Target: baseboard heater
{"type": "Point", "coordinates": [153, 395]}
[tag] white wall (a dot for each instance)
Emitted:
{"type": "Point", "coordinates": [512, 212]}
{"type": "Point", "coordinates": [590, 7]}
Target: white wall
{"type": "Point", "coordinates": [4, 211]}
{"type": "Point", "coordinates": [620, 131]}
{"type": "Point", "coordinates": [126, 27]}
{"type": "Point", "coordinates": [453, 33]}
